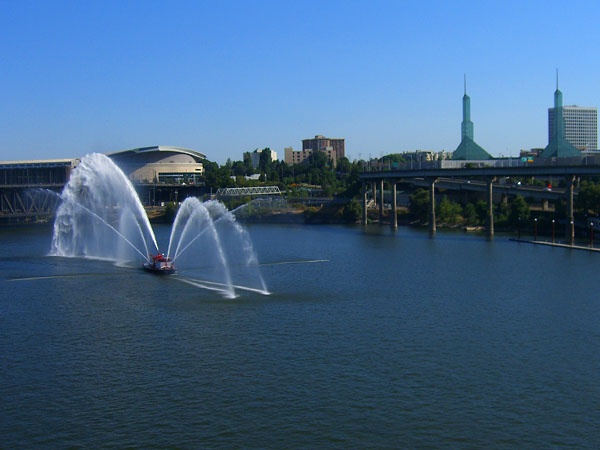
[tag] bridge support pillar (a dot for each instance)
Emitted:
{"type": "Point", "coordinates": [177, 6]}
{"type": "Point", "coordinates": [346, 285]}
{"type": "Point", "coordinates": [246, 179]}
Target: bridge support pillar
{"type": "Point", "coordinates": [374, 192]}
{"type": "Point", "coordinates": [381, 201]}
{"type": "Point", "coordinates": [394, 207]}
{"type": "Point", "coordinates": [490, 184]}
{"type": "Point", "coordinates": [432, 227]}
{"type": "Point", "coordinates": [570, 229]}
{"type": "Point", "coordinates": [365, 200]}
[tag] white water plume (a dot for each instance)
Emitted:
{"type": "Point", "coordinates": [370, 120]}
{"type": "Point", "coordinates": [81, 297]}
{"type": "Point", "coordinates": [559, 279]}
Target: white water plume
{"type": "Point", "coordinates": [207, 238]}
{"type": "Point", "coordinates": [101, 216]}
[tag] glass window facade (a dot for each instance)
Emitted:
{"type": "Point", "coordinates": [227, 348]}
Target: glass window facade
{"type": "Point", "coordinates": [581, 126]}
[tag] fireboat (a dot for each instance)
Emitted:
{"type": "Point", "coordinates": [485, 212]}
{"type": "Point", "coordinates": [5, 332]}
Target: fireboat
{"type": "Point", "coordinates": [159, 264]}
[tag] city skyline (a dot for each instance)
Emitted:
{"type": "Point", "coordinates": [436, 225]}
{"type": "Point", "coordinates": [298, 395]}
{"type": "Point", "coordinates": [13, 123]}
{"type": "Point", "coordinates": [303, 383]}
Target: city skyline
{"type": "Point", "coordinates": [225, 78]}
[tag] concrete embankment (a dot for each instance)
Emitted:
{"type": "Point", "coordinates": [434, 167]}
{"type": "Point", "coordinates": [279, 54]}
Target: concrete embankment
{"type": "Point", "coordinates": [557, 244]}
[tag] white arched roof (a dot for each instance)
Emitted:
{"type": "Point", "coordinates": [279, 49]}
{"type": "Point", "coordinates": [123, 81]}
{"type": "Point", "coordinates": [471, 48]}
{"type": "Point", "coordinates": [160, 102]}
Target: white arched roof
{"type": "Point", "coordinates": [159, 148]}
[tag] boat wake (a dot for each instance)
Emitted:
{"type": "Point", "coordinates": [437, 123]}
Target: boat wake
{"type": "Point", "coordinates": [70, 275]}
{"type": "Point", "coordinates": [222, 288]}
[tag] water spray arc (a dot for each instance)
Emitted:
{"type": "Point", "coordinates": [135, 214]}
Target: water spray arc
{"type": "Point", "coordinates": [101, 216]}
{"type": "Point", "coordinates": [58, 247]}
{"type": "Point", "coordinates": [99, 210]}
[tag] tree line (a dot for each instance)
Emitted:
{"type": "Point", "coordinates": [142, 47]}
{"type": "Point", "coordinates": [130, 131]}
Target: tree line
{"type": "Point", "coordinates": [319, 174]}
{"type": "Point", "coordinates": [318, 170]}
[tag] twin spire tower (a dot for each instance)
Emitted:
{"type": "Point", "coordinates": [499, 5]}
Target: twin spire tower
{"type": "Point", "coordinates": [558, 146]}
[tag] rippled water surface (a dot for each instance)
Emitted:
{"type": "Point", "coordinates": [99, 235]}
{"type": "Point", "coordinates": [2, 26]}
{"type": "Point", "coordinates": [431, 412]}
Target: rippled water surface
{"type": "Point", "coordinates": [369, 339]}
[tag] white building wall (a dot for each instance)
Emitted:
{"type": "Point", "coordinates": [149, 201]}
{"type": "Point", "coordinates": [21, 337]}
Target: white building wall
{"type": "Point", "coordinates": [581, 126]}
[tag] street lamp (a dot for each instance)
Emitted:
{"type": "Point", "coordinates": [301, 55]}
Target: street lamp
{"type": "Point", "coordinates": [591, 234]}
{"type": "Point", "coordinates": [553, 231]}
{"type": "Point", "coordinates": [535, 229]}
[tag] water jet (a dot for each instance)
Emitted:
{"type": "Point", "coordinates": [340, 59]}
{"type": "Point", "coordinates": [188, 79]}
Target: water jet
{"type": "Point", "coordinates": [100, 216]}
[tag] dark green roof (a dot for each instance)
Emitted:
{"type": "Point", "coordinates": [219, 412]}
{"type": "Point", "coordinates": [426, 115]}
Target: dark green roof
{"type": "Point", "coordinates": [560, 148]}
{"type": "Point", "coordinates": [468, 149]}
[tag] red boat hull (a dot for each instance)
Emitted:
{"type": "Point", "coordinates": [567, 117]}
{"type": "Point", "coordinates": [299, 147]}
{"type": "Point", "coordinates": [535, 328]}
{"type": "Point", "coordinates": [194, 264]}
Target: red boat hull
{"type": "Point", "coordinates": [165, 270]}
{"type": "Point", "coordinates": [159, 264]}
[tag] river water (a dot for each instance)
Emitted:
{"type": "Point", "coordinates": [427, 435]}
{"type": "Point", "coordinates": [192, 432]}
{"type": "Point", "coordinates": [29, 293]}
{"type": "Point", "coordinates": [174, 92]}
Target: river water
{"type": "Point", "coordinates": [369, 339]}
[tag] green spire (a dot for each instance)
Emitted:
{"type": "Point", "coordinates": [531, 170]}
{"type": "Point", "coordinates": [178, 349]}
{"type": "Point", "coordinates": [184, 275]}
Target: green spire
{"type": "Point", "coordinates": [558, 102]}
{"type": "Point", "coordinates": [559, 147]}
{"type": "Point", "coordinates": [467, 125]}
{"type": "Point", "coordinates": [468, 149]}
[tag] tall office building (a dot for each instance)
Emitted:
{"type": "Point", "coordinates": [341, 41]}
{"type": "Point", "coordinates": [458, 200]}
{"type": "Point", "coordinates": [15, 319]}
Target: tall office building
{"type": "Point", "coordinates": [581, 126]}
{"type": "Point", "coordinates": [332, 146]}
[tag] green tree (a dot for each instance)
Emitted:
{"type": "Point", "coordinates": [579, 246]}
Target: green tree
{"type": "Point", "coordinates": [239, 169]}
{"type": "Point", "coordinates": [352, 186]}
{"type": "Point", "coordinates": [448, 212]}
{"type": "Point", "coordinates": [519, 212]}
{"type": "Point", "coordinates": [352, 211]}
{"type": "Point", "coordinates": [470, 215]}
{"type": "Point", "coordinates": [217, 177]}
{"type": "Point", "coordinates": [395, 157]}
{"type": "Point", "coordinates": [501, 214]}
{"type": "Point", "coordinates": [318, 160]}
{"type": "Point", "coordinates": [482, 209]}
{"type": "Point", "coordinates": [170, 211]}
{"type": "Point", "coordinates": [392, 160]}
{"type": "Point", "coordinates": [247, 163]}
{"type": "Point", "coordinates": [264, 162]}
{"type": "Point", "coordinates": [419, 204]}
{"type": "Point", "coordinates": [344, 166]}
{"type": "Point", "coordinates": [588, 199]}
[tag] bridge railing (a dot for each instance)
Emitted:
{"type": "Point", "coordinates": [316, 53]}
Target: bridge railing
{"type": "Point", "coordinates": [442, 164]}
{"type": "Point", "coordinates": [587, 159]}
{"type": "Point", "coordinates": [248, 191]}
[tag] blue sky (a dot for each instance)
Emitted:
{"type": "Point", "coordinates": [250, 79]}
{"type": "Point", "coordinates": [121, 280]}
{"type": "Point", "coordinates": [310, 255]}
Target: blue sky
{"type": "Point", "coordinates": [224, 77]}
